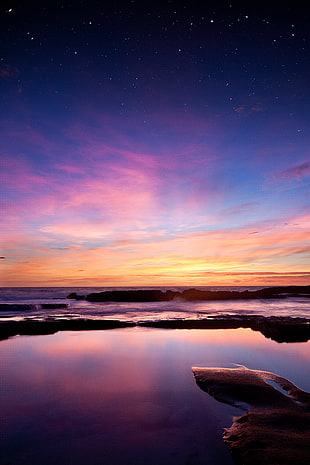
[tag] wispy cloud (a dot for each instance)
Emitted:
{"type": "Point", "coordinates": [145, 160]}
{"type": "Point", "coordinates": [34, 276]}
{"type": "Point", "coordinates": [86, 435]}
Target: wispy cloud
{"type": "Point", "coordinates": [154, 209]}
{"type": "Point", "coordinates": [297, 172]}
{"type": "Point", "coordinates": [247, 109]}
{"type": "Point", "coordinates": [161, 259]}
{"type": "Point", "coordinates": [241, 209]}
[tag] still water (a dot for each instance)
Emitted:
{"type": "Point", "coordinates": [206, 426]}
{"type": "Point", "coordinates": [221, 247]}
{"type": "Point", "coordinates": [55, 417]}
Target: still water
{"type": "Point", "coordinates": [127, 396]}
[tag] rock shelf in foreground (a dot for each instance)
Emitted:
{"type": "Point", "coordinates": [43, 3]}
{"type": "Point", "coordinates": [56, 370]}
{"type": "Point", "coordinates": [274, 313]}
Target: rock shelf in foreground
{"type": "Point", "coordinates": [280, 329]}
{"type": "Point", "coordinates": [53, 325]}
{"type": "Point", "coordinates": [276, 427]}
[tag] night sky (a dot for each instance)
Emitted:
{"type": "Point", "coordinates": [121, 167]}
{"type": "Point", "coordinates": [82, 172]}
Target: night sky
{"type": "Point", "coordinates": [154, 143]}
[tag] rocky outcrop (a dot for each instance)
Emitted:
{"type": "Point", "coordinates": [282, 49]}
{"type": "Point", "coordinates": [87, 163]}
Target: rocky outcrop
{"type": "Point", "coordinates": [28, 307]}
{"type": "Point", "coordinates": [130, 296]}
{"type": "Point", "coordinates": [53, 306]}
{"type": "Point", "coordinates": [75, 296]}
{"type": "Point", "coordinates": [53, 325]}
{"type": "Point", "coordinates": [279, 329]}
{"type": "Point", "coordinates": [16, 307]}
{"type": "Point", "coordinates": [150, 295]}
{"type": "Point", "coordinates": [276, 427]}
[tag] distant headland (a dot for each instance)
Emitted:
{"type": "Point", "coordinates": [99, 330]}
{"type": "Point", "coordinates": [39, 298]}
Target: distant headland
{"type": "Point", "coordinates": [153, 295]}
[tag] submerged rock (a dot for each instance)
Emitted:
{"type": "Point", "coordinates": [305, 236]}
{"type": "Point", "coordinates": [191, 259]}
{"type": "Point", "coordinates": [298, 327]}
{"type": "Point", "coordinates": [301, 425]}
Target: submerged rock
{"type": "Point", "coordinates": [276, 428]}
{"type": "Point", "coordinates": [75, 296]}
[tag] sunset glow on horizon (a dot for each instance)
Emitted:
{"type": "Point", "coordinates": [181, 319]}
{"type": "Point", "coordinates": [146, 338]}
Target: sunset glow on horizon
{"type": "Point", "coordinates": [135, 172]}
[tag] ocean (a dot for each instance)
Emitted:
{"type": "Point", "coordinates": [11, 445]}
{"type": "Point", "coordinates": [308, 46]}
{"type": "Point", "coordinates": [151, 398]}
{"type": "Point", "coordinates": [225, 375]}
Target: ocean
{"type": "Point", "coordinates": [143, 311]}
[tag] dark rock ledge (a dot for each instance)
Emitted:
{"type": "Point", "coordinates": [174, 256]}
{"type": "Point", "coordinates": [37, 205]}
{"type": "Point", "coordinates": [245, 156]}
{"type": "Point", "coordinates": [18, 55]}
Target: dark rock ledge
{"type": "Point", "coordinates": [280, 329]}
{"type": "Point", "coordinates": [17, 307]}
{"type": "Point", "coordinates": [153, 295]}
{"type": "Point", "coordinates": [53, 325]}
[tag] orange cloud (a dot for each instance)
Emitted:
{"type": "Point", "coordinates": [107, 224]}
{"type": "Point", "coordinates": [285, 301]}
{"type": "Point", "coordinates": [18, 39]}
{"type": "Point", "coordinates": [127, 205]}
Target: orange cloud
{"type": "Point", "coordinates": [143, 257]}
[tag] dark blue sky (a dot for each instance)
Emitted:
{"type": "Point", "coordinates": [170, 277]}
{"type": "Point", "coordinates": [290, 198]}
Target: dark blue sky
{"type": "Point", "coordinates": [127, 56]}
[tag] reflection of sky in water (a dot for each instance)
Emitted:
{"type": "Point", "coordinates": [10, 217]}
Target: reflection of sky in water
{"type": "Point", "coordinates": [127, 396]}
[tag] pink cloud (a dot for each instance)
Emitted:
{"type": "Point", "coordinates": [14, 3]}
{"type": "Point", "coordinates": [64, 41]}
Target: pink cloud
{"type": "Point", "coordinates": [281, 179]}
{"type": "Point", "coordinates": [104, 181]}
{"type": "Point", "coordinates": [70, 169]}
{"type": "Point", "coordinates": [166, 159]}
{"type": "Point", "coordinates": [241, 109]}
{"type": "Point", "coordinates": [18, 174]}
{"type": "Point", "coordinates": [76, 230]}
{"type": "Point", "coordinates": [297, 172]}
{"type": "Point", "coordinates": [96, 201]}
{"type": "Point", "coordinates": [241, 209]}
{"type": "Point", "coordinates": [247, 109]}
{"type": "Point", "coordinates": [23, 140]}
